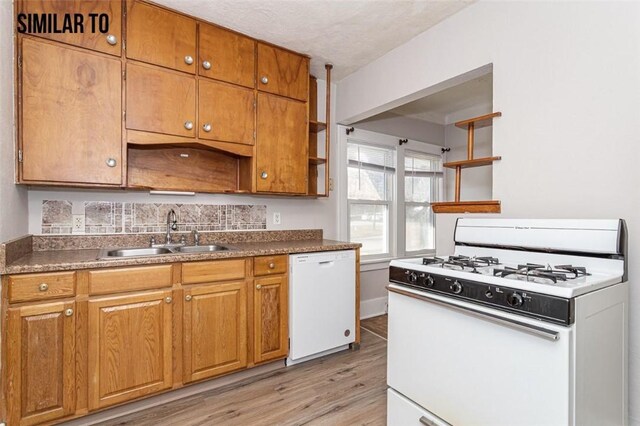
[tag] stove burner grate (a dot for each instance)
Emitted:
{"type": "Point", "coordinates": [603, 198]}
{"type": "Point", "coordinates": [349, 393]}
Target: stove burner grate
{"type": "Point", "coordinates": [462, 262]}
{"type": "Point", "coordinates": [533, 271]}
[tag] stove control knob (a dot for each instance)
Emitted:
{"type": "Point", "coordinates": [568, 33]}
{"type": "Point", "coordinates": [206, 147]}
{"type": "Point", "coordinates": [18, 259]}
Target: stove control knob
{"type": "Point", "coordinates": [514, 299]}
{"type": "Point", "coordinates": [429, 281]}
{"type": "Point", "coordinates": [412, 277]}
{"type": "Point", "coordinates": [456, 287]}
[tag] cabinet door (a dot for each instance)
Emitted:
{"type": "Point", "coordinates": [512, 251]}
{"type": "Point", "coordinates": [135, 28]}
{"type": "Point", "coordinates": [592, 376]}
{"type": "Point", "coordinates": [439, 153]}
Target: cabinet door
{"type": "Point", "coordinates": [271, 307]}
{"type": "Point", "coordinates": [96, 33]}
{"type": "Point", "coordinates": [281, 145]}
{"type": "Point", "coordinates": [129, 347]}
{"type": "Point", "coordinates": [282, 72]}
{"type": "Point", "coordinates": [227, 56]}
{"type": "Point", "coordinates": [215, 330]}
{"type": "Point", "coordinates": [161, 37]}
{"type": "Point", "coordinates": [226, 112]}
{"type": "Point", "coordinates": [40, 363]}
{"type": "Point", "coordinates": [160, 101]}
{"type": "Point", "coordinates": [71, 115]}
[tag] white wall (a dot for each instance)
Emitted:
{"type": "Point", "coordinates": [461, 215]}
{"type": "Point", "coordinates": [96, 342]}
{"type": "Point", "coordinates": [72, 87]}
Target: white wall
{"type": "Point", "coordinates": [567, 80]}
{"type": "Point", "coordinates": [404, 127]}
{"type": "Point", "coordinates": [13, 200]}
{"type": "Point", "coordinates": [476, 182]}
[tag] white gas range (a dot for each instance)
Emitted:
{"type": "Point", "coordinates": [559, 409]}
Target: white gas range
{"type": "Point", "coordinates": [525, 324]}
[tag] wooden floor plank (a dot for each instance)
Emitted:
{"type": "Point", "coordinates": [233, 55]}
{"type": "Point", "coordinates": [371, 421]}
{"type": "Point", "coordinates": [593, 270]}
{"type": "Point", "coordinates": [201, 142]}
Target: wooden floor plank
{"type": "Point", "coordinates": [348, 388]}
{"type": "Point", "coordinates": [376, 325]}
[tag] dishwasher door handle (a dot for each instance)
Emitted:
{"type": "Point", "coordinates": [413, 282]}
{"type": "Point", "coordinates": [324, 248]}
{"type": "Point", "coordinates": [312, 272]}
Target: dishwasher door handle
{"type": "Point", "coordinates": [326, 263]}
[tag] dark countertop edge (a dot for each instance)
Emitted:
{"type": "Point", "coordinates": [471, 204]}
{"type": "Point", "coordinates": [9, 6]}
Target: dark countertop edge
{"type": "Point", "coordinates": [323, 245]}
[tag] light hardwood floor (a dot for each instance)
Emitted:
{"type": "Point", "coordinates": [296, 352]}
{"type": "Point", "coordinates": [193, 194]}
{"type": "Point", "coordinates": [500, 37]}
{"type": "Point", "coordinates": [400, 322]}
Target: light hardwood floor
{"type": "Point", "coordinates": [348, 388]}
{"type": "Point", "coordinates": [376, 325]}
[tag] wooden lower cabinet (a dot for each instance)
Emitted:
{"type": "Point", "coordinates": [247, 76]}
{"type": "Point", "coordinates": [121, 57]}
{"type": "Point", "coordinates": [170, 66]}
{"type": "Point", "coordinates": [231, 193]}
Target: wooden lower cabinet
{"type": "Point", "coordinates": [215, 330]}
{"type": "Point", "coordinates": [174, 325]}
{"type": "Point", "coordinates": [270, 316]}
{"type": "Point", "coordinates": [40, 363]}
{"type": "Point", "coordinates": [130, 347]}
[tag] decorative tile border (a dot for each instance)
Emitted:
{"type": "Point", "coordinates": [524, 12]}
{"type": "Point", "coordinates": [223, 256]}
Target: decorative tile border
{"type": "Point", "coordinates": [105, 217]}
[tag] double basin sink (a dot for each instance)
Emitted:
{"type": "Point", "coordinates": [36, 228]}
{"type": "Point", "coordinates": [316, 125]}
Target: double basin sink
{"type": "Point", "coordinates": [158, 251]}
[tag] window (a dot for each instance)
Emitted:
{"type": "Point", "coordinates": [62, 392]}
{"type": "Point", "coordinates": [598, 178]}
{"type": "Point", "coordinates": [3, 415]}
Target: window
{"type": "Point", "coordinates": [370, 177]}
{"type": "Point", "coordinates": [423, 184]}
{"type": "Point", "coordinates": [385, 201]}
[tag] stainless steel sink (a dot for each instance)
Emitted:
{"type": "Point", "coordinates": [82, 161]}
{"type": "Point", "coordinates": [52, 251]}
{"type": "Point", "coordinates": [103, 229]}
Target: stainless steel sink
{"type": "Point", "coordinates": [158, 251]}
{"type": "Point", "coordinates": [132, 252]}
{"type": "Point", "coordinates": [200, 249]}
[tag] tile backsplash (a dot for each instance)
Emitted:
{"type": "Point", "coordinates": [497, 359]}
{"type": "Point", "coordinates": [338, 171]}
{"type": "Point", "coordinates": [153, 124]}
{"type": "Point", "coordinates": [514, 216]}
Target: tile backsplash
{"type": "Point", "coordinates": [106, 217]}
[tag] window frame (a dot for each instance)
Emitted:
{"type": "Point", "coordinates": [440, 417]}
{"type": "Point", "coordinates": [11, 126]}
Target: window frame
{"type": "Point", "coordinates": [397, 228]}
{"type": "Point", "coordinates": [388, 203]}
{"type": "Point", "coordinates": [434, 196]}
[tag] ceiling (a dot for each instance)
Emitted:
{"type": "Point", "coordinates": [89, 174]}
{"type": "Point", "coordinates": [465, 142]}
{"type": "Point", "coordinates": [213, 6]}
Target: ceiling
{"type": "Point", "coordinates": [436, 107]}
{"type": "Point", "coordinates": [347, 33]}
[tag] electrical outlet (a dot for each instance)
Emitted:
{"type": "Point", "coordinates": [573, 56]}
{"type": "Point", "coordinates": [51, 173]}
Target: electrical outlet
{"type": "Point", "coordinates": [330, 184]}
{"type": "Point", "coordinates": [78, 224]}
{"type": "Point", "coordinates": [276, 218]}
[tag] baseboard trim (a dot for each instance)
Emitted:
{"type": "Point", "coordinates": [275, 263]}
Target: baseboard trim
{"type": "Point", "coordinates": [373, 307]}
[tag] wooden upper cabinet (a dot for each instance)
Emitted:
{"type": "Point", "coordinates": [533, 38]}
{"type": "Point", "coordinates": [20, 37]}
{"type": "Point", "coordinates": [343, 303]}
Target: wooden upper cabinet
{"type": "Point", "coordinates": [282, 145]}
{"type": "Point", "coordinates": [161, 37]}
{"type": "Point", "coordinates": [270, 316]}
{"type": "Point", "coordinates": [40, 366]}
{"type": "Point", "coordinates": [282, 72]}
{"type": "Point", "coordinates": [93, 33]}
{"type": "Point", "coordinates": [215, 330]}
{"type": "Point", "coordinates": [160, 101]}
{"type": "Point", "coordinates": [70, 115]}
{"type": "Point", "coordinates": [226, 112]}
{"type": "Point", "coordinates": [227, 56]}
{"type": "Point", "coordinates": [130, 347]}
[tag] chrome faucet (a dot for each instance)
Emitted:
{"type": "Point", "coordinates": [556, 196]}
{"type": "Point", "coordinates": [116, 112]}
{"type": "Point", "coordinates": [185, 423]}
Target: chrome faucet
{"type": "Point", "coordinates": [196, 237]}
{"type": "Point", "coordinates": [171, 225]}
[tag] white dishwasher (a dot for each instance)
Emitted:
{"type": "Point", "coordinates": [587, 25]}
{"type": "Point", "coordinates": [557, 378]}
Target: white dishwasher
{"type": "Point", "coordinates": [322, 299]}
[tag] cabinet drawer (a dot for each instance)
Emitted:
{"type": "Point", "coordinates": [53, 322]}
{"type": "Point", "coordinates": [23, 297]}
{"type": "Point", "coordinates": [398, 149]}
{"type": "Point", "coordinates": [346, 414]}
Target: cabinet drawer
{"type": "Point", "coordinates": [129, 279]}
{"type": "Point", "coordinates": [269, 265]}
{"type": "Point", "coordinates": [23, 288]}
{"type": "Point", "coordinates": [216, 270]}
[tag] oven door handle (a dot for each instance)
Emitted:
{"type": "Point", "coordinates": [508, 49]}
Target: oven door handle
{"type": "Point", "coordinates": [518, 325]}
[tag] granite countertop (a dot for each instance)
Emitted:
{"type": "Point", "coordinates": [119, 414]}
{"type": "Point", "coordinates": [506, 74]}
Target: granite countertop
{"type": "Point", "coordinates": [65, 259]}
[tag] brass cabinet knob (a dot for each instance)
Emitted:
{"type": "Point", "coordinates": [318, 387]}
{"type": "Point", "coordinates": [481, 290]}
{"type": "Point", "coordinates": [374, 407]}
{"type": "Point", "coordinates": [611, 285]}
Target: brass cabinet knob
{"type": "Point", "coordinates": [68, 312]}
{"type": "Point", "coordinates": [111, 162]}
{"type": "Point", "coordinates": [259, 286]}
{"type": "Point", "coordinates": [206, 65]}
{"type": "Point", "coordinates": [206, 127]}
{"type": "Point", "coordinates": [188, 60]}
{"type": "Point", "coordinates": [112, 40]}
{"type": "Point", "coordinates": [188, 297]}
{"type": "Point", "coordinates": [168, 299]}
{"type": "Point", "coordinates": [43, 287]}
{"type": "Point", "coordinates": [188, 125]}
{"type": "Point", "coordinates": [264, 79]}
{"type": "Point", "coordinates": [272, 265]}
